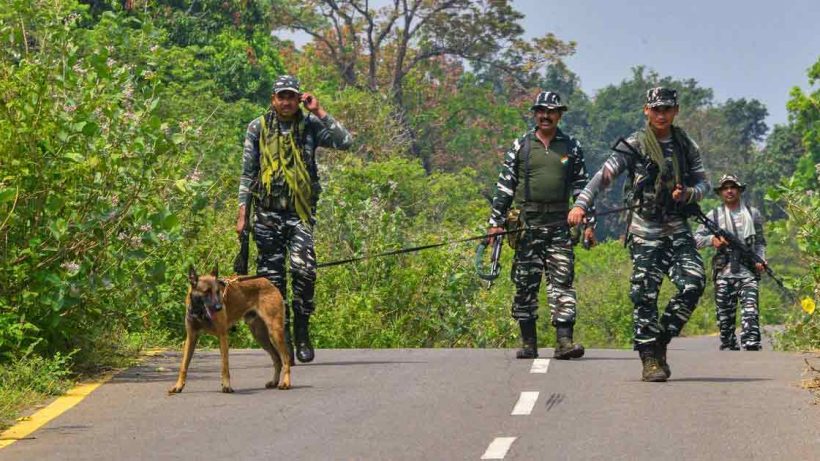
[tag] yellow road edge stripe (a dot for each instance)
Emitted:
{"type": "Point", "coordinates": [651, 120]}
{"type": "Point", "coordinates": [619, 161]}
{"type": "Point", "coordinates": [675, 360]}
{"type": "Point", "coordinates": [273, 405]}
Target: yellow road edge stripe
{"type": "Point", "coordinates": [59, 406]}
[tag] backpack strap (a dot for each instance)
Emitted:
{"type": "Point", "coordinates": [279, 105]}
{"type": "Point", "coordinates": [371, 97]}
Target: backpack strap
{"type": "Point", "coordinates": [525, 151]}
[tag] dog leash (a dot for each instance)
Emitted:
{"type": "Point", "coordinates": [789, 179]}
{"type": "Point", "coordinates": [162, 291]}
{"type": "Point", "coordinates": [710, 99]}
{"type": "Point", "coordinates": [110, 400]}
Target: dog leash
{"type": "Point", "coordinates": [464, 240]}
{"type": "Point", "coordinates": [441, 244]}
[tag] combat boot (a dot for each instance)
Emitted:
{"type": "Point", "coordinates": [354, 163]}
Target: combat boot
{"type": "Point", "coordinates": [652, 371]}
{"type": "Point", "coordinates": [660, 352]}
{"type": "Point", "coordinates": [565, 349]}
{"type": "Point", "coordinates": [529, 340]}
{"type": "Point", "coordinates": [301, 325]}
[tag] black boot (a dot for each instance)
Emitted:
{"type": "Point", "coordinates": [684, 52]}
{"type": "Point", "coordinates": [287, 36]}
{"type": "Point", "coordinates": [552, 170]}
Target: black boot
{"type": "Point", "coordinates": [529, 340]}
{"type": "Point", "coordinates": [565, 349]}
{"type": "Point", "coordinates": [304, 350]}
{"type": "Point", "coordinates": [652, 371]}
{"type": "Point", "coordinates": [660, 351]}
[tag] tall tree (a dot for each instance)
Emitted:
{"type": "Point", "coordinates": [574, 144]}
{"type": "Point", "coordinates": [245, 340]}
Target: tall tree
{"type": "Point", "coordinates": [773, 164]}
{"type": "Point", "coordinates": [378, 48]}
{"type": "Point", "coordinates": [804, 112]}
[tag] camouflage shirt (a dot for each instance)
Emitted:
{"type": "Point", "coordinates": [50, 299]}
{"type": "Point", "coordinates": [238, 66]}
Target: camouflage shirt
{"type": "Point", "coordinates": [619, 162]}
{"type": "Point", "coordinates": [324, 132]}
{"type": "Point", "coordinates": [508, 178]}
{"type": "Point", "coordinates": [756, 240]}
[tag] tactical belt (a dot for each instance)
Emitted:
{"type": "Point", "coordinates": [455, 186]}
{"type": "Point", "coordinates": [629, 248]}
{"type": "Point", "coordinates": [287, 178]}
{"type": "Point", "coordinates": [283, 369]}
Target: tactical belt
{"type": "Point", "coordinates": [269, 202]}
{"type": "Point", "coordinates": [542, 208]}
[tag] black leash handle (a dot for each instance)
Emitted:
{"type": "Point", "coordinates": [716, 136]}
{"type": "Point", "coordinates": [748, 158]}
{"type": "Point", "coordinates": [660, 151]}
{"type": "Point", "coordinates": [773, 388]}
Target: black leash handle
{"type": "Point", "coordinates": [464, 240]}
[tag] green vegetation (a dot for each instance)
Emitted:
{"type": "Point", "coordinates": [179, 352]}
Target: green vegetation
{"type": "Point", "coordinates": [121, 131]}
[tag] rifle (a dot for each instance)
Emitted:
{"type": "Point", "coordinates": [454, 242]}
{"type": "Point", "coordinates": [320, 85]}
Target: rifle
{"type": "Point", "coordinates": [240, 262]}
{"type": "Point", "coordinates": [737, 245]}
{"type": "Point", "coordinates": [495, 266]}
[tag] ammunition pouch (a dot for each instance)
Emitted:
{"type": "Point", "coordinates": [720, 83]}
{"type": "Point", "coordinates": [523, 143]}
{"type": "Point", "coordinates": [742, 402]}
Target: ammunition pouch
{"type": "Point", "coordinates": [514, 222]}
{"type": "Point", "coordinates": [272, 202]}
{"type": "Point", "coordinates": [544, 208]}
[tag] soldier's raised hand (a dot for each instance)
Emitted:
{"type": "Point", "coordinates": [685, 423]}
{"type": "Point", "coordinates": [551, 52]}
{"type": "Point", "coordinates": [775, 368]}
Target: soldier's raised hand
{"type": "Point", "coordinates": [311, 103]}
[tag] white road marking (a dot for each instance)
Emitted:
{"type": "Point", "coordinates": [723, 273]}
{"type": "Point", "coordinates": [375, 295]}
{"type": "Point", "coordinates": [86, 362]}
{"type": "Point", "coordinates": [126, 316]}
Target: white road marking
{"type": "Point", "coordinates": [540, 365]}
{"type": "Point", "coordinates": [525, 404]}
{"type": "Point", "coordinates": [498, 448]}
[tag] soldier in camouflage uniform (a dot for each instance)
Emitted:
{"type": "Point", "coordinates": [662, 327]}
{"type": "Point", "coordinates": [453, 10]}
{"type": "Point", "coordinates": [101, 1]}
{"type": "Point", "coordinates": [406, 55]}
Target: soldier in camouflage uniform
{"type": "Point", "coordinates": [541, 171]}
{"type": "Point", "coordinates": [279, 173]}
{"type": "Point", "coordinates": [736, 278]}
{"type": "Point", "coordinates": [665, 172]}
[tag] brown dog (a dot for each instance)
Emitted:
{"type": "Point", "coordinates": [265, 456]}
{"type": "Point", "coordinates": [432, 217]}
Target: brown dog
{"type": "Point", "coordinates": [213, 305]}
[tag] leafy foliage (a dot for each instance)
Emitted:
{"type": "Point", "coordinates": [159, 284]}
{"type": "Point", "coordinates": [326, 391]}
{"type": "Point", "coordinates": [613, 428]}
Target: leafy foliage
{"type": "Point", "coordinates": [800, 198]}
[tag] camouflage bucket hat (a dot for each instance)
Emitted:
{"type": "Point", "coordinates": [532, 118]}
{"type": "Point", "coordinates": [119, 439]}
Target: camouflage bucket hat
{"type": "Point", "coordinates": [286, 83]}
{"type": "Point", "coordinates": [729, 178]}
{"type": "Point", "coordinates": [661, 96]}
{"type": "Point", "coordinates": [548, 100]}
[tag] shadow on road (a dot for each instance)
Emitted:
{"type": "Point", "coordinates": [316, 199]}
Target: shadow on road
{"type": "Point", "coordinates": [718, 380]}
{"type": "Point", "coordinates": [358, 362]}
{"type": "Point", "coordinates": [584, 359]}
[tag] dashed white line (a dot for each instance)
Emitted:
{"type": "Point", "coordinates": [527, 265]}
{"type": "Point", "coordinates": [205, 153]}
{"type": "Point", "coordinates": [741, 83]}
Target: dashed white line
{"type": "Point", "coordinates": [525, 404]}
{"type": "Point", "coordinates": [498, 448]}
{"type": "Point", "coordinates": [540, 365]}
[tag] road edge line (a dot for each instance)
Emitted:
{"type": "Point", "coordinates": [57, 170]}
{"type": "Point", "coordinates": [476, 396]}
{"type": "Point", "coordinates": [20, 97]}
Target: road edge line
{"type": "Point", "coordinates": [28, 424]}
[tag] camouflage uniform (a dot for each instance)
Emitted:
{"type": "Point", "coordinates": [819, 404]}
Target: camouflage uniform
{"type": "Point", "coordinates": [541, 249]}
{"type": "Point", "coordinates": [659, 237]}
{"type": "Point", "coordinates": [541, 179]}
{"type": "Point", "coordinates": [278, 231]}
{"type": "Point", "coordinates": [736, 278]}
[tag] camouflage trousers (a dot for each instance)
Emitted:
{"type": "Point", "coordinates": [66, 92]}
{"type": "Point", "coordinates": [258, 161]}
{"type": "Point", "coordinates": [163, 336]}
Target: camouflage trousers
{"type": "Point", "coordinates": [540, 250]}
{"type": "Point", "coordinates": [677, 257]}
{"type": "Point", "coordinates": [282, 236]}
{"type": "Point", "coordinates": [728, 291]}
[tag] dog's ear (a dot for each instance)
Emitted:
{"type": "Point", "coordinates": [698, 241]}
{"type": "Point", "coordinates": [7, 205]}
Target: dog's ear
{"type": "Point", "coordinates": [215, 272]}
{"type": "Point", "coordinates": [192, 277]}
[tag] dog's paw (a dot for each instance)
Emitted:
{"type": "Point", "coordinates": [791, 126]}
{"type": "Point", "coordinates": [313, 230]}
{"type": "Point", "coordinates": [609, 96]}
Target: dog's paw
{"type": "Point", "coordinates": [270, 384]}
{"type": "Point", "coordinates": [227, 390]}
{"type": "Point", "coordinates": [284, 385]}
{"type": "Point", "coordinates": [175, 390]}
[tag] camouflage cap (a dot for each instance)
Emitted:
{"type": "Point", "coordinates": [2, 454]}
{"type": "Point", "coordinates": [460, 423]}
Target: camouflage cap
{"type": "Point", "coordinates": [660, 96]}
{"type": "Point", "coordinates": [729, 178]}
{"type": "Point", "coordinates": [549, 100]}
{"type": "Point", "coordinates": [286, 83]}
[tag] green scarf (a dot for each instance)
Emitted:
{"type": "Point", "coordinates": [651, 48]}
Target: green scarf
{"type": "Point", "coordinates": [649, 144]}
{"type": "Point", "coordinates": [280, 157]}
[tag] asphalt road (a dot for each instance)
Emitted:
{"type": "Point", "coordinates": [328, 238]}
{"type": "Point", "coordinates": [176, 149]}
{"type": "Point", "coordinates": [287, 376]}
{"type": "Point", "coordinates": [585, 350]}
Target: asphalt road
{"type": "Point", "coordinates": [446, 404]}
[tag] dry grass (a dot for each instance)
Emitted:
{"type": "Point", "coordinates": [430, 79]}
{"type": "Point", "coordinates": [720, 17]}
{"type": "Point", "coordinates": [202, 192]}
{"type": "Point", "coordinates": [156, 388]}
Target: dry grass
{"type": "Point", "coordinates": [812, 383]}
